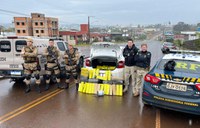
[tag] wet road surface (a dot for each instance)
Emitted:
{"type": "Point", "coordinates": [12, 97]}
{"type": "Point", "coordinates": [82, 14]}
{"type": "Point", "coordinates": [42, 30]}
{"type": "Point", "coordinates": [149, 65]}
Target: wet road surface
{"type": "Point", "coordinates": [57, 108]}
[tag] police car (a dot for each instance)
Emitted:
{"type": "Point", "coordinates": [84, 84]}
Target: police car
{"type": "Point", "coordinates": [174, 82]}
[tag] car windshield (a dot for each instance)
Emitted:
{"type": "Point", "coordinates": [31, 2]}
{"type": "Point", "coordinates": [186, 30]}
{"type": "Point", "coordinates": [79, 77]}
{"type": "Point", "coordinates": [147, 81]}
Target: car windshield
{"type": "Point", "coordinates": [181, 65]}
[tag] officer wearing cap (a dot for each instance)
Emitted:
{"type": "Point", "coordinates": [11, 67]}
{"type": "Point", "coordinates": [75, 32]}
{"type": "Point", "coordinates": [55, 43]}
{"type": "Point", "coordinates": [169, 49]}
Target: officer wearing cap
{"type": "Point", "coordinates": [143, 59]}
{"type": "Point", "coordinates": [71, 58]}
{"type": "Point", "coordinates": [52, 55]}
{"type": "Point", "coordinates": [29, 54]}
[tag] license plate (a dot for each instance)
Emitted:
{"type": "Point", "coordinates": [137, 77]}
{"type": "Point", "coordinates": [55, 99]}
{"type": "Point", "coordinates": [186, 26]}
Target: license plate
{"type": "Point", "coordinates": [17, 73]}
{"type": "Point", "coordinates": [177, 87]}
{"type": "Point", "coordinates": [14, 66]}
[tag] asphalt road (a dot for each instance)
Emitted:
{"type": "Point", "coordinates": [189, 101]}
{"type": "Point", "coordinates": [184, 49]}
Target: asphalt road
{"type": "Point", "coordinates": [69, 109]}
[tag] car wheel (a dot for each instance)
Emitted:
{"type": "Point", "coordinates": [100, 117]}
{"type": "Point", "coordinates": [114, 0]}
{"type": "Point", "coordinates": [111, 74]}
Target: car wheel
{"type": "Point", "coordinates": [19, 80]}
{"type": "Point", "coordinates": [167, 50]}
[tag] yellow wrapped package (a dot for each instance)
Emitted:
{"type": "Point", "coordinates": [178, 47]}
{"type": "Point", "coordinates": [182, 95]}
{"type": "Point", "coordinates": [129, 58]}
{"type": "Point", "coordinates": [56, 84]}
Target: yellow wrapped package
{"type": "Point", "coordinates": [84, 72]}
{"type": "Point", "coordinates": [81, 86]}
{"type": "Point", "coordinates": [119, 89]}
{"type": "Point", "coordinates": [108, 89]}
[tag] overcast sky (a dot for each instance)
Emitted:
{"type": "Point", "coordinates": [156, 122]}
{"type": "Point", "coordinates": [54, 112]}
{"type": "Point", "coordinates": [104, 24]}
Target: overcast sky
{"type": "Point", "coordinates": [107, 12]}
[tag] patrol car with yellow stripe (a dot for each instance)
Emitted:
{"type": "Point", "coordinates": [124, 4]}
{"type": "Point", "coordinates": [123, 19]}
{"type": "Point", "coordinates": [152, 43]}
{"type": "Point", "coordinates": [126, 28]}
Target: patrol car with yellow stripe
{"type": "Point", "coordinates": [174, 82]}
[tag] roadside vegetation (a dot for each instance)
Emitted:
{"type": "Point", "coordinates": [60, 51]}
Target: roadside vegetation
{"type": "Point", "coordinates": [190, 45]}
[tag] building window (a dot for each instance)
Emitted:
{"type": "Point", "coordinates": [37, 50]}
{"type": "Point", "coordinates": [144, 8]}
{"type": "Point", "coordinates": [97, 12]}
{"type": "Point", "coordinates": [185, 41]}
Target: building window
{"type": "Point", "coordinates": [37, 31]}
{"type": "Point", "coordinates": [36, 23]}
{"type": "Point", "coordinates": [24, 31]}
{"type": "Point", "coordinates": [23, 23]}
{"type": "Point", "coordinates": [18, 31]}
{"type": "Point", "coordinates": [42, 31]}
{"type": "Point", "coordinates": [38, 15]}
{"type": "Point", "coordinates": [17, 23]}
{"type": "Point", "coordinates": [41, 23]}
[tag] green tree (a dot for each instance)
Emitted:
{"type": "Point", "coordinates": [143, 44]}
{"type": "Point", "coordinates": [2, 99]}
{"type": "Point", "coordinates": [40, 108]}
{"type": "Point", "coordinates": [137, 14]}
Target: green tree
{"type": "Point", "coordinates": [119, 38]}
{"type": "Point", "coordinates": [181, 26]}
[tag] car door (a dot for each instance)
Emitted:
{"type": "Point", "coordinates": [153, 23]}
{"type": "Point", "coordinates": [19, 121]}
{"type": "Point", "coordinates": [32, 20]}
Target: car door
{"type": "Point", "coordinates": [62, 48]}
{"type": "Point", "coordinates": [18, 45]}
{"type": "Point", "coordinates": [6, 54]}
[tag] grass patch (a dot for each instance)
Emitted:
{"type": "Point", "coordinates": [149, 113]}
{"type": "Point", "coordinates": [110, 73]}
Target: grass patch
{"type": "Point", "coordinates": [192, 45]}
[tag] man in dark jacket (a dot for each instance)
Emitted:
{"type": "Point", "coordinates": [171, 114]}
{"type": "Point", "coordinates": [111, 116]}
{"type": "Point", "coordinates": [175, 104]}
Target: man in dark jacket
{"type": "Point", "coordinates": [129, 53]}
{"type": "Point", "coordinates": [143, 60]}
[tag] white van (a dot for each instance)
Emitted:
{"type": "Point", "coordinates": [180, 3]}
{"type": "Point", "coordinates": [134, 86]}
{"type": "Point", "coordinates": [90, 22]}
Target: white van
{"type": "Point", "coordinates": [11, 60]}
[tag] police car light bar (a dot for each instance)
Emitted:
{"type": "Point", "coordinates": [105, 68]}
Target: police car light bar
{"type": "Point", "coordinates": [184, 51]}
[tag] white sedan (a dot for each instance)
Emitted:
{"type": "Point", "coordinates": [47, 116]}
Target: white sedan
{"type": "Point", "coordinates": [106, 56]}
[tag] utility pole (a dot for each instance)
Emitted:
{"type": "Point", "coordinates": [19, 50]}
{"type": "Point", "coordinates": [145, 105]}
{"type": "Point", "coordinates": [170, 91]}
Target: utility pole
{"type": "Point", "coordinates": [1, 30]}
{"type": "Point", "coordinates": [89, 29]}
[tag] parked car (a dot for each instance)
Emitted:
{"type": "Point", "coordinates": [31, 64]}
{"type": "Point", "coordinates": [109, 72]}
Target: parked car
{"type": "Point", "coordinates": [167, 46]}
{"type": "Point", "coordinates": [106, 56]}
{"type": "Point", "coordinates": [174, 83]}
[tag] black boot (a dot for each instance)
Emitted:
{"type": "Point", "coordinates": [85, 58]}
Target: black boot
{"type": "Point", "coordinates": [38, 88]}
{"type": "Point", "coordinates": [77, 86]}
{"type": "Point", "coordinates": [47, 87]}
{"type": "Point", "coordinates": [58, 85]}
{"type": "Point", "coordinates": [28, 88]}
{"type": "Point", "coordinates": [67, 86]}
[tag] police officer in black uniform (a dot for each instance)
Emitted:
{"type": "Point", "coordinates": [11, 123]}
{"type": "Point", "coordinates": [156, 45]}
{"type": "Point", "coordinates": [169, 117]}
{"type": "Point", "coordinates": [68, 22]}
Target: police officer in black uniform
{"type": "Point", "coordinates": [143, 60]}
{"type": "Point", "coordinates": [129, 53]}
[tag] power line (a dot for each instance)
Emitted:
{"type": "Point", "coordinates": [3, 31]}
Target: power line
{"type": "Point", "coordinates": [13, 12]}
{"type": "Point", "coordinates": [3, 13]}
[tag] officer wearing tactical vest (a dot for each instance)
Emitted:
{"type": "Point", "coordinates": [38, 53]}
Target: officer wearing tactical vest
{"type": "Point", "coordinates": [29, 53]}
{"type": "Point", "coordinates": [71, 57]}
{"type": "Point", "coordinates": [52, 54]}
{"type": "Point", "coordinates": [143, 59]}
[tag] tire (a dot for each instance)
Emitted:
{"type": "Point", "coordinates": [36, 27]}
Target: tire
{"type": "Point", "coordinates": [167, 50]}
{"type": "Point", "coordinates": [19, 80]}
